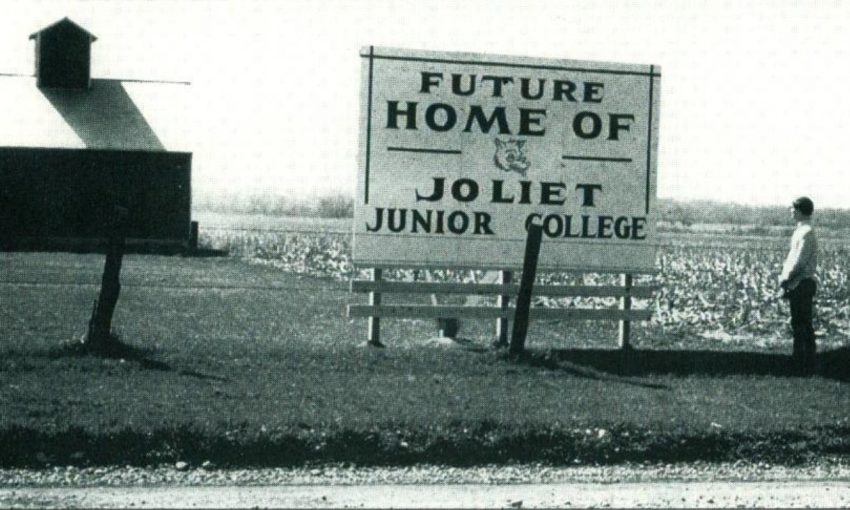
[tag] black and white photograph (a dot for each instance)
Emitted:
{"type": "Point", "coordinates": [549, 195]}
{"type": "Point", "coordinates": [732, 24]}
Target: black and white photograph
{"type": "Point", "coordinates": [406, 254]}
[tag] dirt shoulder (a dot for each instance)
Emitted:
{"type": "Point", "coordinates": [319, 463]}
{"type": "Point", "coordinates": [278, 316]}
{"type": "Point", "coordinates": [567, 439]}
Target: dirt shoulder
{"type": "Point", "coordinates": [184, 475]}
{"type": "Point", "coordinates": [560, 495]}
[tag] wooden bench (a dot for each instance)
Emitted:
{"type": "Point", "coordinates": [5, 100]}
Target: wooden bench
{"type": "Point", "coordinates": [505, 290]}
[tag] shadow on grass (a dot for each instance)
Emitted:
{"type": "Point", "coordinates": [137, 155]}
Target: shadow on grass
{"type": "Point", "coordinates": [459, 343]}
{"type": "Point", "coordinates": [117, 349]}
{"type": "Point", "coordinates": [555, 361]}
{"type": "Point", "coordinates": [833, 364]}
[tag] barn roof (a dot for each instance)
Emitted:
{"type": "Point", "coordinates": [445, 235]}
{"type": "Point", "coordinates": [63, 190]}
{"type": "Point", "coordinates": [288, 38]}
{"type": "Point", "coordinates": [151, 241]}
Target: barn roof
{"type": "Point", "coordinates": [64, 21]}
{"type": "Point", "coordinates": [112, 114]}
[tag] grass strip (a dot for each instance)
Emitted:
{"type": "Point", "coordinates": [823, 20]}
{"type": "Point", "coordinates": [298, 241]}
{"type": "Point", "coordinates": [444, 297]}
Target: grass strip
{"type": "Point", "coordinates": [403, 445]}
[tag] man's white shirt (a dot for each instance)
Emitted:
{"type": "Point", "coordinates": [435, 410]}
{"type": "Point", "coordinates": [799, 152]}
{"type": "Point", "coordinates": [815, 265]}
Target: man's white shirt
{"type": "Point", "coordinates": [802, 259]}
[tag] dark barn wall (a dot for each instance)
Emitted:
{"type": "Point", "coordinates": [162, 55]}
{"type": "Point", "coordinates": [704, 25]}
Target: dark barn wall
{"type": "Point", "coordinates": [71, 193]}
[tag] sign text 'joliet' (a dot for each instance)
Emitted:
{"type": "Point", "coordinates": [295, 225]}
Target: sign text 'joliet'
{"type": "Point", "coordinates": [459, 152]}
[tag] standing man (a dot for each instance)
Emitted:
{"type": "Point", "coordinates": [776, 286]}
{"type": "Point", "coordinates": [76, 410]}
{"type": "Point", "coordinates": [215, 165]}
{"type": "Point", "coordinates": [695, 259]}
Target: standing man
{"type": "Point", "coordinates": [799, 283]}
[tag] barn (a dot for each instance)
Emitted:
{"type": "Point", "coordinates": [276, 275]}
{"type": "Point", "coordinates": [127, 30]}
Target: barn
{"type": "Point", "coordinates": [73, 147]}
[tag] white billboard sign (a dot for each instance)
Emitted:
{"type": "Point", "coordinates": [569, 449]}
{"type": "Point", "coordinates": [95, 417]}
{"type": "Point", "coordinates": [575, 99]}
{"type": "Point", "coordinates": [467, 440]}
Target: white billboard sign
{"type": "Point", "coordinates": [459, 152]}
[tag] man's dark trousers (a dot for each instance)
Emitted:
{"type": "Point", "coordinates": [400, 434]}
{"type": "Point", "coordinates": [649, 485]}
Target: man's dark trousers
{"type": "Point", "coordinates": [801, 299]}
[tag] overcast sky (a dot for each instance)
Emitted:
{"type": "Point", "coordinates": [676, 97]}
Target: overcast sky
{"type": "Point", "coordinates": [754, 95]}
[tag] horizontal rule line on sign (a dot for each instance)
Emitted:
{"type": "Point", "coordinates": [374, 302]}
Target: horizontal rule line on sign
{"type": "Point", "coordinates": [597, 158]}
{"type": "Point", "coordinates": [541, 67]}
{"type": "Point", "coordinates": [426, 150]}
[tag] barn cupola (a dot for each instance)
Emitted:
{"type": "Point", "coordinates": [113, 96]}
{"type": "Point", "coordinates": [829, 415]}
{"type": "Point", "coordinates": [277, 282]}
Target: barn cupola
{"type": "Point", "coordinates": [63, 56]}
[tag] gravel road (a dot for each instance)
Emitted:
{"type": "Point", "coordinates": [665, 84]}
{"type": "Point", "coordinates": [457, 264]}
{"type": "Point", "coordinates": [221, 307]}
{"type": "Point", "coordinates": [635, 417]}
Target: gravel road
{"type": "Point", "coordinates": [529, 486]}
{"type": "Point", "coordinates": [570, 495]}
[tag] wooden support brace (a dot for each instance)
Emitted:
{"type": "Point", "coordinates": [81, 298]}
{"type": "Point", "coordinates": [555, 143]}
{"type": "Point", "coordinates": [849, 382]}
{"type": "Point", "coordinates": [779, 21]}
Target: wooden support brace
{"type": "Point", "coordinates": [401, 311]}
{"type": "Point", "coordinates": [497, 289]}
{"type": "Point", "coordinates": [502, 302]}
{"type": "Point", "coordinates": [626, 305]}
{"type": "Point", "coordinates": [374, 331]}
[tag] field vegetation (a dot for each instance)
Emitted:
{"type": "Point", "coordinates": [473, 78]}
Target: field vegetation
{"type": "Point", "coordinates": [717, 286]}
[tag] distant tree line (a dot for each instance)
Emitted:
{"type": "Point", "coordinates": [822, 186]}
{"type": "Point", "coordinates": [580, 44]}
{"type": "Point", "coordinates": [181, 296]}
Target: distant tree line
{"type": "Point", "coordinates": [709, 212]}
{"type": "Point", "coordinates": [327, 206]}
{"type": "Point", "coordinates": [673, 212]}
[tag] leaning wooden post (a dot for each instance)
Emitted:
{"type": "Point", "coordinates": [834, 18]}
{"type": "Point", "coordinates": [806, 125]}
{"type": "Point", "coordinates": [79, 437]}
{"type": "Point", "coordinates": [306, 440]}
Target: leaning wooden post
{"type": "Point", "coordinates": [625, 305]}
{"type": "Point", "coordinates": [375, 321]}
{"type": "Point", "coordinates": [526, 285]}
{"type": "Point", "coordinates": [100, 324]}
{"type": "Point", "coordinates": [503, 301]}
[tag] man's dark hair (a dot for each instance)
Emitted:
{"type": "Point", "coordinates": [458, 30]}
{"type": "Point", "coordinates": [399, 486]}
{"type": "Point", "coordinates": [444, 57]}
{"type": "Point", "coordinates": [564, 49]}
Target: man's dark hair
{"type": "Point", "coordinates": [804, 205]}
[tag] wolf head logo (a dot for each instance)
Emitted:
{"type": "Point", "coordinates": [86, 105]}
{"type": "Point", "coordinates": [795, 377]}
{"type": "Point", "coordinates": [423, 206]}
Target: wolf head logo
{"type": "Point", "coordinates": [510, 157]}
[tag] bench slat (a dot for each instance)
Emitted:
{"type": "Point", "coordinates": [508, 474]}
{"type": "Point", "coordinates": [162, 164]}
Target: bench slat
{"type": "Point", "coordinates": [483, 312]}
{"type": "Point", "coordinates": [498, 289]}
